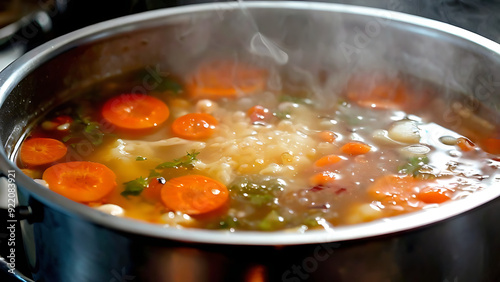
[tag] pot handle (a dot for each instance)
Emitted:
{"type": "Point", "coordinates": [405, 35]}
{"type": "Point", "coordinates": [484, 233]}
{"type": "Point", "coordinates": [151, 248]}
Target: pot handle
{"type": "Point", "coordinates": [11, 215]}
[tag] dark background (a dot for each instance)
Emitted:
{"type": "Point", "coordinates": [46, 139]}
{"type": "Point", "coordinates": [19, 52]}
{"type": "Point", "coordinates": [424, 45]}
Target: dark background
{"type": "Point", "coordinates": [63, 16]}
{"type": "Point", "coordinates": [480, 16]}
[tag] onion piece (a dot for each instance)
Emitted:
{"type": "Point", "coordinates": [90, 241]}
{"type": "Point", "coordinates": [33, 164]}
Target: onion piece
{"type": "Point", "coordinates": [382, 138]}
{"type": "Point", "coordinates": [405, 131]}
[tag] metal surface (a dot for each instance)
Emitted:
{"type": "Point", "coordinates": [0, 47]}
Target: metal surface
{"type": "Point", "coordinates": [70, 242]}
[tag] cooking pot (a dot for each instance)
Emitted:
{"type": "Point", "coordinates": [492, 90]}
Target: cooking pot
{"type": "Point", "coordinates": [67, 241]}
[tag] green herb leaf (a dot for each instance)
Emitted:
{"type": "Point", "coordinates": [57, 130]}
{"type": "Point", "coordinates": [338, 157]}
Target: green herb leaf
{"type": "Point", "coordinates": [139, 158]}
{"type": "Point", "coordinates": [153, 173]}
{"type": "Point", "coordinates": [272, 221]}
{"type": "Point", "coordinates": [282, 115]}
{"type": "Point", "coordinates": [414, 165]}
{"type": "Point", "coordinates": [228, 223]}
{"type": "Point", "coordinates": [66, 138]}
{"type": "Point", "coordinates": [186, 161]}
{"type": "Point", "coordinates": [170, 85]}
{"type": "Point", "coordinates": [256, 190]}
{"type": "Point", "coordinates": [135, 187]}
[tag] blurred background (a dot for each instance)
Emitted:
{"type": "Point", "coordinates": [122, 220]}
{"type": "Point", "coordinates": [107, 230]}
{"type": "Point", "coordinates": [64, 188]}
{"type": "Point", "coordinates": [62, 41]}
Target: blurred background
{"type": "Point", "coordinates": [25, 24]}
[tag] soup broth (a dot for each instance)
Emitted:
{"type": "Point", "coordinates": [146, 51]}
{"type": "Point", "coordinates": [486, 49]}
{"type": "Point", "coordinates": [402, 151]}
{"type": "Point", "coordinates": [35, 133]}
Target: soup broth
{"type": "Point", "coordinates": [216, 149]}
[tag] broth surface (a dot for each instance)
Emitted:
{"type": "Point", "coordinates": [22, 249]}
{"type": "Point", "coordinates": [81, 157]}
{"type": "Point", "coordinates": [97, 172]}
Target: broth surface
{"type": "Point", "coordinates": [289, 159]}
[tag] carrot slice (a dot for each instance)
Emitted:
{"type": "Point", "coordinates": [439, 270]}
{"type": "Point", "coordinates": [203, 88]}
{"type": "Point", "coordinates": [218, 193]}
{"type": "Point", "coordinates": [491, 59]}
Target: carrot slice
{"type": "Point", "coordinates": [465, 144]}
{"type": "Point", "coordinates": [355, 148]}
{"type": "Point", "coordinates": [395, 188]}
{"type": "Point", "coordinates": [40, 151]}
{"type": "Point", "coordinates": [225, 78]}
{"type": "Point", "coordinates": [135, 111]}
{"type": "Point", "coordinates": [433, 195]}
{"type": "Point", "coordinates": [194, 194]}
{"type": "Point", "coordinates": [153, 191]}
{"type": "Point", "coordinates": [80, 181]}
{"type": "Point", "coordinates": [327, 160]}
{"type": "Point", "coordinates": [194, 126]}
{"type": "Point", "coordinates": [258, 113]}
{"type": "Point", "coordinates": [327, 136]}
{"type": "Point", "coordinates": [377, 91]}
{"type": "Point", "coordinates": [492, 145]}
{"type": "Point", "coordinates": [322, 178]}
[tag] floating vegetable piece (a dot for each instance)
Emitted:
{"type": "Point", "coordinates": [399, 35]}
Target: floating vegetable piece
{"type": "Point", "coordinates": [258, 113]}
{"type": "Point", "coordinates": [194, 126]}
{"type": "Point", "coordinates": [355, 148]}
{"type": "Point", "coordinates": [492, 145]}
{"type": "Point", "coordinates": [327, 136]}
{"type": "Point", "coordinates": [225, 78]}
{"type": "Point", "coordinates": [377, 91]}
{"type": "Point", "coordinates": [465, 144]}
{"type": "Point", "coordinates": [194, 194]}
{"type": "Point", "coordinates": [327, 160]}
{"type": "Point", "coordinates": [135, 111]}
{"type": "Point", "coordinates": [41, 151]}
{"type": "Point", "coordinates": [80, 181]}
{"type": "Point", "coordinates": [433, 195]}
{"type": "Point", "coordinates": [405, 131]}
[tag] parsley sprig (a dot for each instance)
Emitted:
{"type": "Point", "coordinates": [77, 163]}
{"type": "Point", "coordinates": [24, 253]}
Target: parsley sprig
{"type": "Point", "coordinates": [414, 164]}
{"type": "Point", "coordinates": [186, 161]}
{"type": "Point", "coordinates": [85, 128]}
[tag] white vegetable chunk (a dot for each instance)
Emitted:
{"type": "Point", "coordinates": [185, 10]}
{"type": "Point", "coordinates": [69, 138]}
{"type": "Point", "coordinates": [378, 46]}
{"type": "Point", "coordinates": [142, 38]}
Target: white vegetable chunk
{"type": "Point", "coordinates": [382, 138]}
{"type": "Point", "coordinates": [111, 209]}
{"type": "Point", "coordinates": [405, 131]}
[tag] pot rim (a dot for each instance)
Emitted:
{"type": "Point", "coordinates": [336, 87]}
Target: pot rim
{"type": "Point", "coordinates": [15, 72]}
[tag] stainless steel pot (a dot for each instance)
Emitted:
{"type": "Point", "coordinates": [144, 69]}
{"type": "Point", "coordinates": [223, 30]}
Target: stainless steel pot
{"type": "Point", "coordinates": [65, 241]}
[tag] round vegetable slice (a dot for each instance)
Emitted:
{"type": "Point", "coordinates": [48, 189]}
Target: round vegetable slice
{"type": "Point", "coordinates": [135, 111]}
{"type": "Point", "coordinates": [194, 194]}
{"type": "Point", "coordinates": [327, 160]}
{"type": "Point", "coordinates": [433, 195]}
{"type": "Point", "coordinates": [40, 151]}
{"type": "Point", "coordinates": [377, 91]}
{"type": "Point", "coordinates": [80, 181]}
{"type": "Point", "coordinates": [153, 192]}
{"type": "Point", "coordinates": [355, 148]}
{"type": "Point", "coordinates": [194, 126]}
{"type": "Point", "coordinates": [225, 78]}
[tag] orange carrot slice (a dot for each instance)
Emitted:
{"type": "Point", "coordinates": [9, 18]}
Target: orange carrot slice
{"type": "Point", "coordinates": [80, 181]}
{"type": "Point", "coordinates": [327, 160]}
{"type": "Point", "coordinates": [433, 195]}
{"type": "Point", "coordinates": [327, 136]}
{"type": "Point", "coordinates": [355, 148]}
{"type": "Point", "coordinates": [225, 78]}
{"type": "Point", "coordinates": [492, 145]}
{"type": "Point", "coordinates": [194, 126]}
{"type": "Point", "coordinates": [258, 113]}
{"type": "Point", "coordinates": [377, 91]}
{"type": "Point", "coordinates": [194, 194]}
{"type": "Point", "coordinates": [398, 189]}
{"type": "Point", "coordinates": [153, 191]}
{"type": "Point", "coordinates": [465, 144]}
{"type": "Point", "coordinates": [135, 111]}
{"type": "Point", "coordinates": [322, 178]}
{"type": "Point", "coordinates": [40, 151]}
